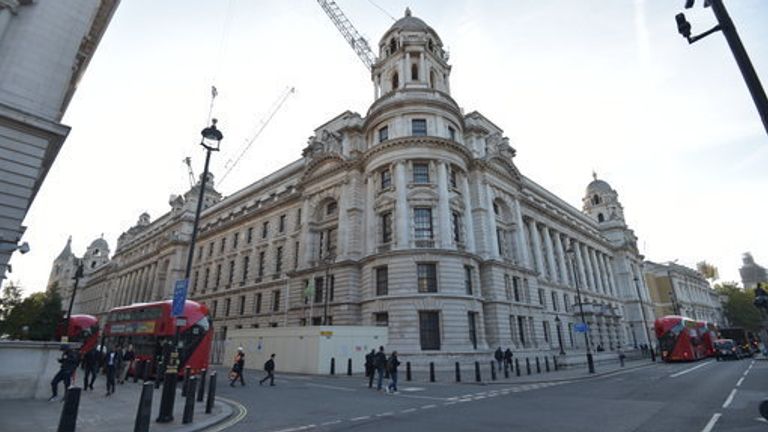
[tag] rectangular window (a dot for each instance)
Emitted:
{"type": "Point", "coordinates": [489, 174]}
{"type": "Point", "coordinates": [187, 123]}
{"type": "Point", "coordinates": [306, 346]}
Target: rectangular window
{"type": "Point", "coordinates": [500, 241]}
{"type": "Point", "coordinates": [386, 179]}
{"type": "Point", "coordinates": [227, 305]}
{"type": "Point", "coordinates": [383, 134]}
{"type": "Point", "coordinates": [516, 287]}
{"type": "Point", "coordinates": [264, 229]}
{"type": "Point", "coordinates": [241, 305]}
{"type": "Point", "coordinates": [235, 239]}
{"type": "Point", "coordinates": [296, 251]}
{"type": "Point", "coordinates": [456, 219]}
{"type": "Point", "coordinates": [207, 278]}
{"type": "Point", "coordinates": [246, 263]}
{"type": "Point", "coordinates": [214, 308]}
{"type": "Point", "coordinates": [282, 223]}
{"type": "Point", "coordinates": [382, 281]}
{"type": "Point", "coordinates": [331, 287]}
{"type": "Point", "coordinates": [261, 264]}
{"type": "Point", "coordinates": [318, 290]}
{"type": "Point", "coordinates": [468, 280]}
{"type": "Point", "coordinates": [210, 249]}
{"type": "Point", "coordinates": [199, 253]}
{"type": "Point", "coordinates": [257, 307]}
{"type": "Point", "coordinates": [472, 317]}
{"type": "Point", "coordinates": [194, 285]}
{"type": "Point", "coordinates": [279, 260]}
{"type": "Point", "coordinates": [542, 301]}
{"type": "Point", "coordinates": [521, 330]}
{"type": "Point", "coordinates": [249, 235]}
{"type": "Point", "coordinates": [427, 277]}
{"type": "Point", "coordinates": [381, 319]}
{"type": "Point", "coordinates": [545, 326]}
{"type": "Point", "coordinates": [386, 227]}
{"type": "Point", "coordinates": [275, 300]}
{"type": "Point", "coordinates": [223, 244]}
{"type": "Point", "coordinates": [454, 178]}
{"type": "Point", "coordinates": [218, 276]}
{"type": "Point", "coordinates": [566, 303]}
{"type": "Point", "coordinates": [331, 208]}
{"type": "Point", "coordinates": [452, 133]}
{"type": "Point", "coordinates": [508, 286]}
{"type": "Point", "coordinates": [419, 127]}
{"type": "Point", "coordinates": [422, 223]}
{"type": "Point", "coordinates": [429, 330]}
{"type": "Point", "coordinates": [421, 173]}
{"type": "Point", "coordinates": [555, 306]}
{"type": "Point", "coordinates": [231, 274]}
{"type": "Point", "coordinates": [298, 217]}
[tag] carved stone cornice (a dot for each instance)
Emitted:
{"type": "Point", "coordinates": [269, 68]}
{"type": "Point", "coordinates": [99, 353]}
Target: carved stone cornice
{"type": "Point", "coordinates": [411, 141]}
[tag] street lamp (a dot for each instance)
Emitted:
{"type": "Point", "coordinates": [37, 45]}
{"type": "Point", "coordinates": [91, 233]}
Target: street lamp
{"type": "Point", "coordinates": [78, 275]}
{"type": "Point", "coordinates": [211, 140]}
{"type": "Point", "coordinates": [559, 335]}
{"type": "Point", "coordinates": [328, 260]}
{"type": "Point", "coordinates": [645, 322]}
{"type": "Point", "coordinates": [571, 252]}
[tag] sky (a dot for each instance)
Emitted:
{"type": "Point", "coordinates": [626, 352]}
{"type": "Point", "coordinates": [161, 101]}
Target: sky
{"type": "Point", "coordinates": [577, 86]}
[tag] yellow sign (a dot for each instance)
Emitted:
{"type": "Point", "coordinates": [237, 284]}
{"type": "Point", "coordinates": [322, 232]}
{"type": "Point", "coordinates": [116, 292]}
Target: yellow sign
{"type": "Point", "coordinates": [326, 333]}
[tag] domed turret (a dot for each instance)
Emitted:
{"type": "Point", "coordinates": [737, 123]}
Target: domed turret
{"type": "Point", "coordinates": [601, 202]}
{"type": "Point", "coordinates": [96, 255]}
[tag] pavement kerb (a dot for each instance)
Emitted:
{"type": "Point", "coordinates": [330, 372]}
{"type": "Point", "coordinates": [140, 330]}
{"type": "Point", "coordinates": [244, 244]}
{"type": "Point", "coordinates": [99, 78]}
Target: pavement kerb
{"type": "Point", "coordinates": [236, 413]}
{"type": "Point", "coordinates": [557, 380]}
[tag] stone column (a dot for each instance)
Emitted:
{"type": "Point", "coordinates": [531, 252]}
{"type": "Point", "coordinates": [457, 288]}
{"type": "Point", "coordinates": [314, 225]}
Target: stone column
{"type": "Point", "coordinates": [561, 256]}
{"type": "Point", "coordinates": [306, 236]}
{"type": "Point", "coordinates": [598, 273]}
{"type": "Point", "coordinates": [592, 286]}
{"type": "Point", "coordinates": [423, 77]}
{"type": "Point", "coordinates": [581, 267]}
{"type": "Point", "coordinates": [343, 238]}
{"type": "Point", "coordinates": [493, 240]}
{"type": "Point", "coordinates": [608, 282]}
{"type": "Point", "coordinates": [443, 207]}
{"type": "Point", "coordinates": [536, 241]}
{"type": "Point", "coordinates": [520, 233]}
{"type": "Point", "coordinates": [371, 237]}
{"type": "Point", "coordinates": [469, 223]}
{"type": "Point", "coordinates": [553, 276]}
{"type": "Point", "coordinates": [401, 207]}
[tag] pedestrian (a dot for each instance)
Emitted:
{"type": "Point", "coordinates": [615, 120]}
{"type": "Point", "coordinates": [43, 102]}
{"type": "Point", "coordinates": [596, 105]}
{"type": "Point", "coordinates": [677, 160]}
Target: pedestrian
{"type": "Point", "coordinates": [380, 363]}
{"type": "Point", "coordinates": [269, 368]}
{"type": "Point", "coordinates": [369, 369]}
{"type": "Point", "coordinates": [112, 366]}
{"type": "Point", "coordinates": [621, 357]}
{"type": "Point", "coordinates": [91, 361]}
{"type": "Point", "coordinates": [508, 359]}
{"type": "Point", "coordinates": [129, 356]}
{"type": "Point", "coordinates": [120, 370]}
{"type": "Point", "coordinates": [237, 368]}
{"type": "Point", "coordinates": [392, 365]}
{"type": "Point", "coordinates": [68, 363]}
{"type": "Point", "coordinates": [499, 356]}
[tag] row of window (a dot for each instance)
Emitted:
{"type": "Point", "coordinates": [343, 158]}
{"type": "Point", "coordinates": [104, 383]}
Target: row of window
{"type": "Point", "coordinates": [426, 279]}
{"type": "Point", "coordinates": [257, 305]}
{"type": "Point", "coordinates": [418, 128]}
{"type": "Point", "coordinates": [248, 234]}
{"type": "Point", "coordinates": [205, 283]}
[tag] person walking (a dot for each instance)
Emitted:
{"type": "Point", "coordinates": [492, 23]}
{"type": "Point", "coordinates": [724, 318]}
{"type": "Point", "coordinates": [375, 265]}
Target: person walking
{"type": "Point", "coordinates": [237, 368]}
{"type": "Point", "coordinates": [380, 363]}
{"type": "Point", "coordinates": [369, 369]}
{"type": "Point", "coordinates": [129, 356]}
{"type": "Point", "coordinates": [91, 361]}
{"type": "Point", "coordinates": [392, 365]}
{"type": "Point", "coordinates": [499, 356]}
{"type": "Point", "coordinates": [69, 362]}
{"type": "Point", "coordinates": [269, 368]}
{"type": "Point", "coordinates": [508, 359]}
{"type": "Point", "coordinates": [112, 366]}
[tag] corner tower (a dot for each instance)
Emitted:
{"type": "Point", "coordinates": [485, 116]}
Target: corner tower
{"type": "Point", "coordinates": [601, 202]}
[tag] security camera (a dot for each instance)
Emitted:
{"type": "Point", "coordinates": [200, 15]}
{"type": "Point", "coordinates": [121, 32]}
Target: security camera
{"type": "Point", "coordinates": [24, 247]}
{"type": "Point", "coordinates": [683, 26]}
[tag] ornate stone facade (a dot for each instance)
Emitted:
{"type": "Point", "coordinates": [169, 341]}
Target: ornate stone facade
{"type": "Point", "coordinates": [679, 290]}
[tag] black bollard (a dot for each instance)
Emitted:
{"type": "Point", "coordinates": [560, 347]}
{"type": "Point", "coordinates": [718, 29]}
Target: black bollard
{"type": "Point", "coordinates": [764, 409]}
{"type": "Point", "coordinates": [185, 385]}
{"type": "Point", "coordinates": [517, 367]}
{"type": "Point", "coordinates": [554, 362]}
{"type": "Point", "coordinates": [493, 370]}
{"type": "Point", "coordinates": [145, 409]}
{"type": "Point", "coordinates": [349, 366]}
{"type": "Point", "coordinates": [458, 372]}
{"type": "Point", "coordinates": [653, 355]}
{"type": "Point", "coordinates": [546, 364]}
{"type": "Point", "coordinates": [211, 393]}
{"type": "Point", "coordinates": [68, 419]}
{"type": "Point", "coordinates": [538, 366]}
{"type": "Point", "coordinates": [528, 365]}
{"type": "Point", "coordinates": [189, 403]}
{"type": "Point", "coordinates": [201, 387]}
{"type": "Point", "coordinates": [506, 369]}
{"type": "Point", "coordinates": [478, 378]}
{"type": "Point", "coordinates": [145, 371]}
{"type": "Point", "coordinates": [333, 366]}
{"type": "Point", "coordinates": [136, 368]}
{"type": "Point", "coordinates": [158, 378]}
{"type": "Point", "coordinates": [407, 371]}
{"type": "Point", "coordinates": [621, 360]}
{"type": "Point", "coordinates": [431, 372]}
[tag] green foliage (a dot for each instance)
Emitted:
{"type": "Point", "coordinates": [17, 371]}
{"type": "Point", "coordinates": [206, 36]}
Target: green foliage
{"type": "Point", "coordinates": [739, 308]}
{"type": "Point", "coordinates": [10, 299]}
{"type": "Point", "coordinates": [34, 318]}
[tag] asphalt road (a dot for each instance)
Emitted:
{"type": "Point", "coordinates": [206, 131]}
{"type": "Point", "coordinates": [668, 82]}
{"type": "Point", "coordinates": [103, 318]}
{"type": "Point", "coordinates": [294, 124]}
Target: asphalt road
{"type": "Point", "coordinates": [706, 396]}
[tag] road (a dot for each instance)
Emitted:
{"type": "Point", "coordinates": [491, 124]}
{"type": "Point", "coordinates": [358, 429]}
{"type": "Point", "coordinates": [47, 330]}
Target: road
{"type": "Point", "coordinates": [706, 396]}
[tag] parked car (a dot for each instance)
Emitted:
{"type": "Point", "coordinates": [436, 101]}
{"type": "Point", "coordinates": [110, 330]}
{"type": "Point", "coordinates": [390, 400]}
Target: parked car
{"type": "Point", "coordinates": [727, 348]}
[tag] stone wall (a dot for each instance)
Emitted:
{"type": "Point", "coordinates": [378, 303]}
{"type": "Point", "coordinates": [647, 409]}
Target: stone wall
{"type": "Point", "coordinates": [28, 368]}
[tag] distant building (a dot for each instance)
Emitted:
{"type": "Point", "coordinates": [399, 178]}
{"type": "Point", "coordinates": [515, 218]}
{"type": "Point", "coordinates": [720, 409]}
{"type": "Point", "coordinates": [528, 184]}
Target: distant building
{"type": "Point", "coordinates": [45, 47]}
{"type": "Point", "coordinates": [679, 290]}
{"type": "Point", "coordinates": [95, 262]}
{"type": "Point", "coordinates": [751, 273]}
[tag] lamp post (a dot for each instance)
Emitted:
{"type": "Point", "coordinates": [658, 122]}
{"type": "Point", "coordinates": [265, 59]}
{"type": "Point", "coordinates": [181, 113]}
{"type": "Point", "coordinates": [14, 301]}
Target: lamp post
{"type": "Point", "coordinates": [77, 277]}
{"type": "Point", "coordinates": [645, 321]}
{"type": "Point", "coordinates": [559, 335]}
{"type": "Point", "coordinates": [211, 139]}
{"type": "Point", "coordinates": [571, 252]}
{"type": "Point", "coordinates": [327, 281]}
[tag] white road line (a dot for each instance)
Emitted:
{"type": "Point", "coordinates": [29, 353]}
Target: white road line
{"type": "Point", "coordinates": [745, 373]}
{"type": "Point", "coordinates": [683, 372]}
{"type": "Point", "coordinates": [389, 413]}
{"type": "Point", "coordinates": [360, 418]}
{"type": "Point", "coordinates": [421, 397]}
{"type": "Point", "coordinates": [711, 423]}
{"type": "Point", "coordinates": [738, 384]}
{"type": "Point", "coordinates": [330, 387]}
{"type": "Point", "coordinates": [429, 406]}
{"type": "Point", "coordinates": [730, 398]}
{"type": "Point", "coordinates": [329, 423]}
{"type": "Point", "coordinates": [408, 411]}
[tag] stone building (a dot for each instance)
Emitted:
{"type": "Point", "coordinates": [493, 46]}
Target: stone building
{"type": "Point", "coordinates": [679, 290]}
{"type": "Point", "coordinates": [413, 217]}
{"type": "Point", "coordinates": [45, 47]}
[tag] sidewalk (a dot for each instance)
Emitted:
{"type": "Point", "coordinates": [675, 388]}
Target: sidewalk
{"type": "Point", "coordinates": [99, 413]}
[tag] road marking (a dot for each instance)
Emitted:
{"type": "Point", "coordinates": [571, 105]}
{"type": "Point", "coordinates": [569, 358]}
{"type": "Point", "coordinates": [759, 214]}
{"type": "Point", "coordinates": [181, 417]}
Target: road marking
{"type": "Point", "coordinates": [711, 424]}
{"type": "Point", "coordinates": [389, 413]}
{"type": "Point", "coordinates": [738, 384]}
{"type": "Point", "coordinates": [745, 373]}
{"type": "Point", "coordinates": [329, 423]}
{"type": "Point", "coordinates": [683, 372]}
{"type": "Point", "coordinates": [330, 387]}
{"type": "Point", "coordinates": [412, 389]}
{"type": "Point", "coordinates": [422, 397]}
{"type": "Point", "coordinates": [299, 428]}
{"type": "Point", "coordinates": [730, 398]}
{"type": "Point", "coordinates": [242, 411]}
{"type": "Point", "coordinates": [429, 406]}
{"type": "Point", "coordinates": [409, 410]}
{"type": "Point", "coordinates": [360, 418]}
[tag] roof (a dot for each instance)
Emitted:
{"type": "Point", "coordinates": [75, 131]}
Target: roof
{"type": "Point", "coordinates": [410, 23]}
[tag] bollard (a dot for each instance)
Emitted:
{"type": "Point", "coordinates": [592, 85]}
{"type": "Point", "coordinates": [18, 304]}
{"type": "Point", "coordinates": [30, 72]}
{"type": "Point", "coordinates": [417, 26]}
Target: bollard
{"type": "Point", "coordinates": [185, 386]}
{"type": "Point", "coordinates": [136, 367]}
{"type": "Point", "coordinates": [538, 366]}
{"type": "Point", "coordinates": [68, 419]}
{"type": "Point", "coordinates": [517, 367]}
{"type": "Point", "coordinates": [407, 371]}
{"type": "Point", "coordinates": [156, 368]}
{"type": "Point", "coordinates": [621, 360]}
{"type": "Point", "coordinates": [145, 371]}
{"type": "Point", "coordinates": [349, 366]}
{"type": "Point", "coordinates": [478, 378]}
{"type": "Point", "coordinates": [653, 355]}
{"type": "Point", "coordinates": [493, 370]}
{"type": "Point", "coordinates": [554, 362]}
{"type": "Point", "coordinates": [189, 403]}
{"type": "Point", "coordinates": [431, 372]}
{"type": "Point", "coordinates": [333, 366]}
{"type": "Point", "coordinates": [764, 409]}
{"type": "Point", "coordinates": [528, 365]}
{"type": "Point", "coordinates": [458, 372]}
{"type": "Point", "coordinates": [546, 364]}
{"type": "Point", "coordinates": [145, 408]}
{"type": "Point", "coordinates": [506, 370]}
{"type": "Point", "coordinates": [201, 389]}
{"type": "Point", "coordinates": [211, 393]}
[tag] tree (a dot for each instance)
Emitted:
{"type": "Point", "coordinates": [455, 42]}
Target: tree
{"type": "Point", "coordinates": [35, 318]}
{"type": "Point", "coordinates": [10, 299]}
{"type": "Point", "coordinates": [708, 270]}
{"type": "Point", "coordinates": [739, 308]}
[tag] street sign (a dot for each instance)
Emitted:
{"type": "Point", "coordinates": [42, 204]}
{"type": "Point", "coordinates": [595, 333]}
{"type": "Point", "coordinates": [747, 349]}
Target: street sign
{"type": "Point", "coordinates": [581, 327]}
{"type": "Point", "coordinates": [179, 297]}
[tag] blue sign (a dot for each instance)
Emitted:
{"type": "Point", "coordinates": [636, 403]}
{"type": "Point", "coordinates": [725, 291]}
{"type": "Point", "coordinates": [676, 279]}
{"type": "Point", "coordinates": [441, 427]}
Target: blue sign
{"type": "Point", "coordinates": [179, 297]}
{"type": "Point", "coordinates": [581, 327]}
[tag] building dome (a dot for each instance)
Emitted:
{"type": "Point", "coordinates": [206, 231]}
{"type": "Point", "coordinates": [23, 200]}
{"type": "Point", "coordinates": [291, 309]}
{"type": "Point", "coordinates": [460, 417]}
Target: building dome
{"type": "Point", "coordinates": [410, 23]}
{"type": "Point", "coordinates": [597, 186]}
{"type": "Point", "coordinates": [99, 243]}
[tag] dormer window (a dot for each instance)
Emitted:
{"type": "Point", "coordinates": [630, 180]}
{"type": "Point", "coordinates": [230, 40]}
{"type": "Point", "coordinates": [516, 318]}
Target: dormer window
{"type": "Point", "coordinates": [331, 208]}
{"type": "Point", "coordinates": [600, 217]}
{"type": "Point", "coordinates": [392, 46]}
{"type": "Point", "coordinates": [383, 134]}
{"type": "Point", "coordinates": [595, 199]}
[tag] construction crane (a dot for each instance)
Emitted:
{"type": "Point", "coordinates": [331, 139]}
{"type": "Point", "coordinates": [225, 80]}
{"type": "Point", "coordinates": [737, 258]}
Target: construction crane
{"type": "Point", "coordinates": [357, 42]}
{"type": "Point", "coordinates": [188, 161]}
{"type": "Point", "coordinates": [230, 165]}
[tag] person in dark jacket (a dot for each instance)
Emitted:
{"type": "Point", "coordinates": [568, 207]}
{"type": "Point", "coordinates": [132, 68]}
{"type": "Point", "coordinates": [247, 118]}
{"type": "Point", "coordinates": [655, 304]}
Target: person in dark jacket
{"type": "Point", "coordinates": [499, 356]}
{"type": "Point", "coordinates": [112, 363]}
{"type": "Point", "coordinates": [369, 369]}
{"type": "Point", "coordinates": [392, 365]}
{"type": "Point", "coordinates": [69, 361]}
{"type": "Point", "coordinates": [508, 359]}
{"type": "Point", "coordinates": [91, 361]}
{"type": "Point", "coordinates": [128, 358]}
{"type": "Point", "coordinates": [380, 363]}
{"type": "Point", "coordinates": [237, 368]}
{"type": "Point", "coordinates": [269, 368]}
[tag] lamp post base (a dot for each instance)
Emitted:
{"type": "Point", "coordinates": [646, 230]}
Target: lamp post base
{"type": "Point", "coordinates": [590, 363]}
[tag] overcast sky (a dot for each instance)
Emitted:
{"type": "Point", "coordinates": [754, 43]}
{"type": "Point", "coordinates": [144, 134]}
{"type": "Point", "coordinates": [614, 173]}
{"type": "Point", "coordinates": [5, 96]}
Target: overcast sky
{"type": "Point", "coordinates": [577, 85]}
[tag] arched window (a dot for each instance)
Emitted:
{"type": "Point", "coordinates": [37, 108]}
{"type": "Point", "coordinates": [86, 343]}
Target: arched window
{"type": "Point", "coordinates": [430, 45]}
{"type": "Point", "coordinates": [600, 217]}
{"type": "Point", "coordinates": [595, 199]}
{"type": "Point", "coordinates": [392, 46]}
{"type": "Point", "coordinates": [395, 81]}
{"type": "Point", "coordinates": [414, 72]}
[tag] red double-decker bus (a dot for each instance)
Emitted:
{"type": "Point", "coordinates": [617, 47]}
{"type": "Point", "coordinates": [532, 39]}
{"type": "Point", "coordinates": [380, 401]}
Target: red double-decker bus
{"type": "Point", "coordinates": [147, 326]}
{"type": "Point", "coordinates": [81, 328]}
{"type": "Point", "coordinates": [684, 339]}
